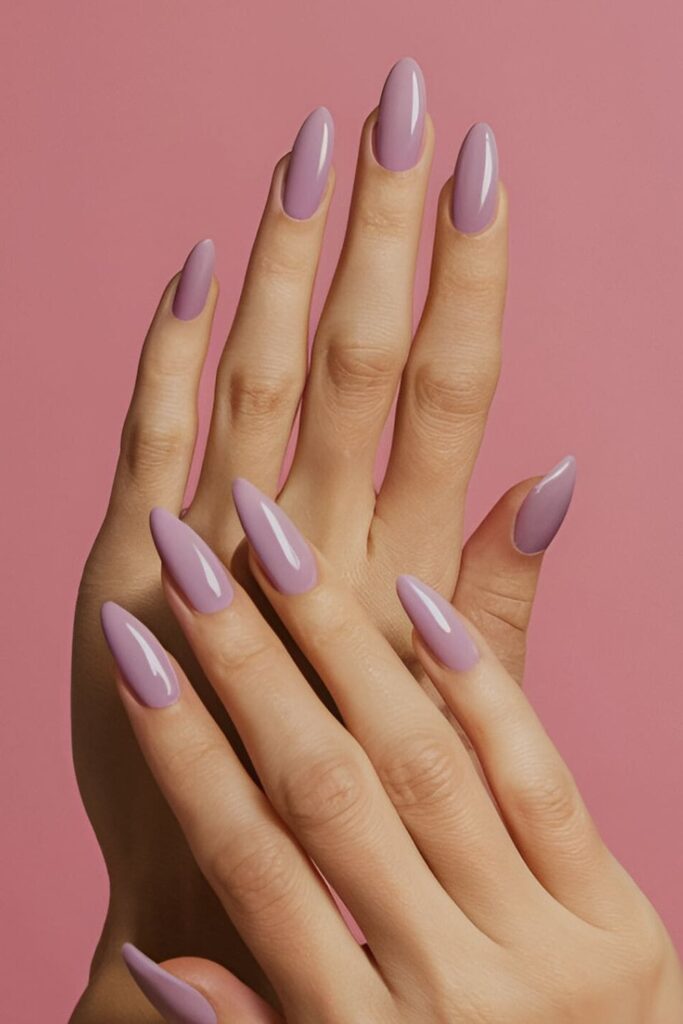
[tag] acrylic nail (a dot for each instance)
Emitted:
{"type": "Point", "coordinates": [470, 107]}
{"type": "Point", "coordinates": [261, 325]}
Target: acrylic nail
{"type": "Point", "coordinates": [176, 1001]}
{"type": "Point", "coordinates": [475, 180]}
{"type": "Point", "coordinates": [284, 554]}
{"type": "Point", "coordinates": [141, 659]}
{"type": "Point", "coordinates": [309, 165]}
{"type": "Point", "coordinates": [197, 571]}
{"type": "Point", "coordinates": [195, 281]}
{"type": "Point", "coordinates": [543, 510]}
{"type": "Point", "coordinates": [437, 623]}
{"type": "Point", "coordinates": [401, 117]}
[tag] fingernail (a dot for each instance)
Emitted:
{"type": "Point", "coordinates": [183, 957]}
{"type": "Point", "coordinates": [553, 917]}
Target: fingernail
{"type": "Point", "coordinates": [309, 165]}
{"type": "Point", "coordinates": [195, 281]}
{"type": "Point", "coordinates": [438, 624]}
{"type": "Point", "coordinates": [176, 1001]}
{"type": "Point", "coordinates": [283, 552]}
{"type": "Point", "coordinates": [400, 119]}
{"type": "Point", "coordinates": [195, 568]}
{"type": "Point", "coordinates": [141, 659]}
{"type": "Point", "coordinates": [475, 180]}
{"type": "Point", "coordinates": [541, 513]}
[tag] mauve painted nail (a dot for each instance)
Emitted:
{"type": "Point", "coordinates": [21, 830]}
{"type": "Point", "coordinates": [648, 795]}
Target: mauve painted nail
{"type": "Point", "coordinates": [198, 572]}
{"type": "Point", "coordinates": [141, 659]}
{"type": "Point", "coordinates": [309, 165]}
{"type": "Point", "coordinates": [401, 116]}
{"type": "Point", "coordinates": [475, 180]}
{"type": "Point", "coordinates": [195, 281]}
{"type": "Point", "coordinates": [541, 513]}
{"type": "Point", "coordinates": [176, 1001]}
{"type": "Point", "coordinates": [283, 552]}
{"type": "Point", "coordinates": [438, 624]}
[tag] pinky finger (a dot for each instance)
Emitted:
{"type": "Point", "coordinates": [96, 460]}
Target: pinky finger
{"type": "Point", "coordinates": [194, 991]}
{"type": "Point", "coordinates": [533, 787]}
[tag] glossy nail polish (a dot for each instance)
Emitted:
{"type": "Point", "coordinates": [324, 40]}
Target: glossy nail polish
{"type": "Point", "coordinates": [437, 622]}
{"type": "Point", "coordinates": [309, 165]}
{"type": "Point", "coordinates": [475, 180]}
{"type": "Point", "coordinates": [196, 570]}
{"type": "Point", "coordinates": [401, 116]}
{"type": "Point", "coordinates": [141, 659]}
{"type": "Point", "coordinates": [195, 281]}
{"type": "Point", "coordinates": [176, 1001]}
{"type": "Point", "coordinates": [284, 554]}
{"type": "Point", "coordinates": [541, 513]}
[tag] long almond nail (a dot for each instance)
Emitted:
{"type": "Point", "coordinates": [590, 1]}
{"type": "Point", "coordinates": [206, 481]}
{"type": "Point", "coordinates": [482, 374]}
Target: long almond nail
{"type": "Point", "coordinates": [438, 624]}
{"type": "Point", "coordinates": [176, 1001]}
{"type": "Point", "coordinates": [195, 280]}
{"type": "Point", "coordinates": [542, 512]}
{"type": "Point", "coordinates": [142, 661]}
{"type": "Point", "coordinates": [309, 165]}
{"type": "Point", "coordinates": [401, 116]}
{"type": "Point", "coordinates": [475, 180]}
{"type": "Point", "coordinates": [198, 572]}
{"type": "Point", "coordinates": [282, 551]}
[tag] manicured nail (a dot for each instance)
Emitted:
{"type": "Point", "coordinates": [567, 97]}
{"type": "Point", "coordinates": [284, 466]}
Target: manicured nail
{"type": "Point", "coordinates": [309, 165]}
{"type": "Point", "coordinates": [198, 572]}
{"type": "Point", "coordinates": [176, 1001]}
{"type": "Point", "coordinates": [195, 281]}
{"type": "Point", "coordinates": [141, 659]}
{"type": "Point", "coordinates": [541, 513]}
{"type": "Point", "coordinates": [401, 116]}
{"type": "Point", "coordinates": [283, 552]}
{"type": "Point", "coordinates": [475, 180]}
{"type": "Point", "coordinates": [438, 624]}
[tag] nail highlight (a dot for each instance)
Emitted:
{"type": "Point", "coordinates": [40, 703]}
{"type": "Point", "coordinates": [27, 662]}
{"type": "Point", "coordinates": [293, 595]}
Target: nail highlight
{"type": "Point", "coordinates": [195, 281]}
{"type": "Point", "coordinates": [198, 572]}
{"type": "Point", "coordinates": [309, 165]}
{"type": "Point", "coordinates": [543, 510]}
{"type": "Point", "coordinates": [475, 180]}
{"type": "Point", "coordinates": [283, 552]}
{"type": "Point", "coordinates": [141, 659]}
{"type": "Point", "coordinates": [176, 1001]}
{"type": "Point", "coordinates": [438, 624]}
{"type": "Point", "coordinates": [401, 116]}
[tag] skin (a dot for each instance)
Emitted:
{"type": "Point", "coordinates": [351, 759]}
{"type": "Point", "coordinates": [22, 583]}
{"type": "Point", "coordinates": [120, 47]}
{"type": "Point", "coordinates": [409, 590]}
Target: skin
{"type": "Point", "coordinates": [471, 915]}
{"type": "Point", "coordinates": [363, 350]}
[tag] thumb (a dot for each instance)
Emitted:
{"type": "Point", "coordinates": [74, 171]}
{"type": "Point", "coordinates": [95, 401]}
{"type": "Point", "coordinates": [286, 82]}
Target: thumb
{"type": "Point", "coordinates": [187, 990]}
{"type": "Point", "coordinates": [501, 561]}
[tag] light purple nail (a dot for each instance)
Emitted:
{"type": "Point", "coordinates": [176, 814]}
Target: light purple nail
{"type": "Point", "coordinates": [475, 180]}
{"type": "Point", "coordinates": [198, 572]}
{"type": "Point", "coordinates": [176, 1001]}
{"type": "Point", "coordinates": [309, 165]}
{"type": "Point", "coordinates": [401, 116]}
{"type": "Point", "coordinates": [438, 624]}
{"type": "Point", "coordinates": [541, 513]}
{"type": "Point", "coordinates": [283, 552]}
{"type": "Point", "coordinates": [141, 659]}
{"type": "Point", "coordinates": [195, 281]}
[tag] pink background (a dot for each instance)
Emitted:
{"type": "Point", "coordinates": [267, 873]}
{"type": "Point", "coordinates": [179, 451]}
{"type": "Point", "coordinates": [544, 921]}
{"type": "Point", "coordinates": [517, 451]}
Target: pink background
{"type": "Point", "coordinates": [134, 129]}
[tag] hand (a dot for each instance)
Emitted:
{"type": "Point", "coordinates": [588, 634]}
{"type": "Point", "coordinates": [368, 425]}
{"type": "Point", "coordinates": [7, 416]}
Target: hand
{"type": "Point", "coordinates": [476, 913]}
{"type": "Point", "coordinates": [362, 350]}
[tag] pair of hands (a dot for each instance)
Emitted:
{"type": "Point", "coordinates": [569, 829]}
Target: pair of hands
{"type": "Point", "coordinates": [362, 352]}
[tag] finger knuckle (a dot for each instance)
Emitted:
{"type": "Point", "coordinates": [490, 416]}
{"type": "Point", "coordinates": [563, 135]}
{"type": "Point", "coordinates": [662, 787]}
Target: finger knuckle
{"type": "Point", "coordinates": [454, 393]}
{"type": "Point", "coordinates": [388, 215]}
{"type": "Point", "coordinates": [328, 791]}
{"type": "Point", "coordinates": [499, 600]}
{"type": "Point", "coordinates": [549, 796]}
{"type": "Point", "coordinates": [420, 772]}
{"type": "Point", "coordinates": [478, 278]}
{"type": "Point", "coordinates": [151, 446]}
{"type": "Point", "coordinates": [261, 395]}
{"type": "Point", "coordinates": [254, 869]}
{"type": "Point", "coordinates": [360, 373]}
